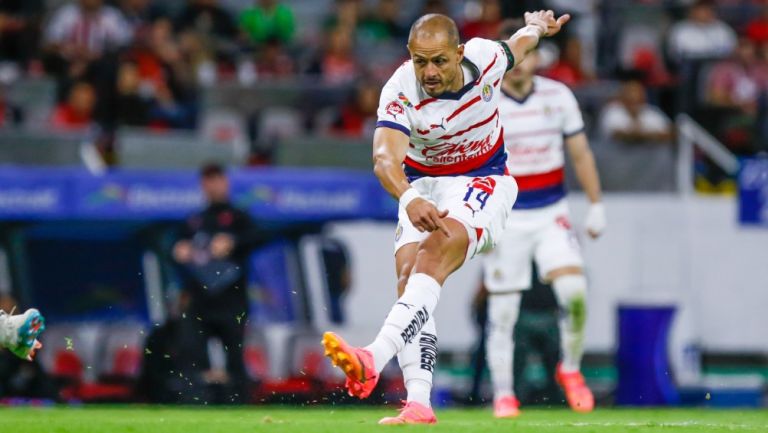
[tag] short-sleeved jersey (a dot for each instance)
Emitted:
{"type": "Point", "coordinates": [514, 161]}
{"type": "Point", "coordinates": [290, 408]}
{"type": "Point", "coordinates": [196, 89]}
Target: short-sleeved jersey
{"type": "Point", "coordinates": [535, 129]}
{"type": "Point", "coordinates": [457, 133]}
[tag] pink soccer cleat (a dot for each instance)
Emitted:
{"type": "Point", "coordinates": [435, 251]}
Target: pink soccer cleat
{"type": "Point", "coordinates": [411, 413]}
{"type": "Point", "coordinates": [577, 393]}
{"type": "Point", "coordinates": [506, 407]}
{"type": "Point", "coordinates": [355, 362]}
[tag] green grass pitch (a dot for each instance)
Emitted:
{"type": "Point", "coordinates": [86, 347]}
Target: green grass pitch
{"type": "Point", "coordinates": [321, 419]}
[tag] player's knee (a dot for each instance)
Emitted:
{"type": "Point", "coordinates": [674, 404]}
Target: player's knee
{"type": "Point", "coordinates": [438, 256]}
{"type": "Point", "coordinates": [571, 291]}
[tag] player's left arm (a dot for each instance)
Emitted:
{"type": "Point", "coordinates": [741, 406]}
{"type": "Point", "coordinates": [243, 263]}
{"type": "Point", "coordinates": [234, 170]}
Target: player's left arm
{"type": "Point", "coordinates": [538, 25]}
{"type": "Point", "coordinates": [584, 166]}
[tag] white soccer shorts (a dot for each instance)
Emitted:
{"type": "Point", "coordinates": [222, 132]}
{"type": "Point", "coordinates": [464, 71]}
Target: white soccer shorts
{"type": "Point", "coordinates": [482, 204]}
{"type": "Point", "coordinates": [544, 235]}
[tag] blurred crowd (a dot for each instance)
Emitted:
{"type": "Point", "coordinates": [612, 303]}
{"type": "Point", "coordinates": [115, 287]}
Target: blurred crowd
{"type": "Point", "coordinates": [634, 64]}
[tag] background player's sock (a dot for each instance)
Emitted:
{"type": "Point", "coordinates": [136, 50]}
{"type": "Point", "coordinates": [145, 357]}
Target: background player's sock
{"type": "Point", "coordinates": [503, 310]}
{"type": "Point", "coordinates": [417, 361]}
{"type": "Point", "coordinates": [406, 318]}
{"type": "Point", "coordinates": [571, 294]}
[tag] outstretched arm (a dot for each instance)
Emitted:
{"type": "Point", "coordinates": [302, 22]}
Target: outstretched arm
{"type": "Point", "coordinates": [389, 149]}
{"type": "Point", "coordinates": [538, 24]}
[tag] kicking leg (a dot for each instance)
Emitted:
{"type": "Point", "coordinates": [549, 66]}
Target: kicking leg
{"type": "Point", "coordinates": [437, 257]}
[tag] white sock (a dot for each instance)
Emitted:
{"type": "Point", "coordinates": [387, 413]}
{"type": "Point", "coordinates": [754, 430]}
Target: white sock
{"type": "Point", "coordinates": [406, 318]}
{"type": "Point", "coordinates": [571, 293]}
{"type": "Point", "coordinates": [503, 310]}
{"type": "Point", "coordinates": [417, 361]}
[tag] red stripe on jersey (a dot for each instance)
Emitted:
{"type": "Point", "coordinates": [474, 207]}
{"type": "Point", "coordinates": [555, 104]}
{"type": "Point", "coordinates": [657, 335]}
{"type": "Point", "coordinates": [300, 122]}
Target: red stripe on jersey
{"type": "Point", "coordinates": [540, 180]}
{"type": "Point", "coordinates": [458, 168]}
{"type": "Point", "coordinates": [536, 133]}
{"type": "Point", "coordinates": [496, 83]}
{"type": "Point", "coordinates": [487, 68]}
{"type": "Point", "coordinates": [476, 125]}
{"type": "Point", "coordinates": [421, 104]}
{"type": "Point", "coordinates": [470, 103]}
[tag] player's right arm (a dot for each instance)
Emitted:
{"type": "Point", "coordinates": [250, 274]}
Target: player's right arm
{"type": "Point", "coordinates": [538, 24]}
{"type": "Point", "coordinates": [389, 149]}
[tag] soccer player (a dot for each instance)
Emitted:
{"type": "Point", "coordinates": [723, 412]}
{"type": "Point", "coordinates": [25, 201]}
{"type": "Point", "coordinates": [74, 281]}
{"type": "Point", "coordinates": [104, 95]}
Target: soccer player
{"type": "Point", "coordinates": [438, 148]}
{"type": "Point", "coordinates": [18, 333]}
{"type": "Point", "coordinates": [541, 116]}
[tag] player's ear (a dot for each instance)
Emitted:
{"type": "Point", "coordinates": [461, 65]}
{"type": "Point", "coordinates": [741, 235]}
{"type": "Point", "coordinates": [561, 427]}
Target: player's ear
{"type": "Point", "coordinates": [460, 53]}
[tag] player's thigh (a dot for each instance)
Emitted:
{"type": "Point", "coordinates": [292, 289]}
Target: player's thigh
{"type": "Point", "coordinates": [508, 266]}
{"type": "Point", "coordinates": [558, 251]}
{"type": "Point", "coordinates": [481, 204]}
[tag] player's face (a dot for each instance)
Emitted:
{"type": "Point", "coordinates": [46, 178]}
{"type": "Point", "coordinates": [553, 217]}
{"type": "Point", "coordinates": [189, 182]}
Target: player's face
{"type": "Point", "coordinates": [524, 71]}
{"type": "Point", "coordinates": [437, 64]}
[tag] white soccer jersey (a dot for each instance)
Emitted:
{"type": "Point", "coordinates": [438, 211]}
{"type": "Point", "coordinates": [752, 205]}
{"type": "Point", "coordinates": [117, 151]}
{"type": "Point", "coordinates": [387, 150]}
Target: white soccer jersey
{"type": "Point", "coordinates": [457, 133]}
{"type": "Point", "coordinates": [534, 133]}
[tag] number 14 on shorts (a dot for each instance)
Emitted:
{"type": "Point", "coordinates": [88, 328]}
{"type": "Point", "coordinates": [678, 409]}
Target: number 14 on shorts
{"type": "Point", "coordinates": [484, 187]}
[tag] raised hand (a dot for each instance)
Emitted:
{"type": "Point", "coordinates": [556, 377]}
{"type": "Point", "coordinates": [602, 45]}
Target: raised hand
{"type": "Point", "coordinates": [545, 20]}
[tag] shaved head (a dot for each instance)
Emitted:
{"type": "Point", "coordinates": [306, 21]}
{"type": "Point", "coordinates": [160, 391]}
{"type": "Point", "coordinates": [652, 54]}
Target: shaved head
{"type": "Point", "coordinates": [434, 26]}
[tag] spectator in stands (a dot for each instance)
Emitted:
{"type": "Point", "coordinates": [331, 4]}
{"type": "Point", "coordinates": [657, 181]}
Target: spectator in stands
{"type": "Point", "coordinates": [132, 105]}
{"type": "Point", "coordinates": [631, 120]}
{"type": "Point", "coordinates": [212, 254]}
{"type": "Point", "coordinates": [213, 25]}
{"type": "Point", "coordinates": [486, 24]}
{"type": "Point", "coordinates": [757, 29]}
{"type": "Point", "coordinates": [738, 82]}
{"type": "Point", "coordinates": [346, 14]}
{"type": "Point", "coordinates": [137, 13]}
{"type": "Point", "coordinates": [268, 20]}
{"type": "Point", "coordinates": [702, 35]}
{"type": "Point", "coordinates": [81, 33]}
{"type": "Point", "coordinates": [19, 28]}
{"type": "Point", "coordinates": [273, 61]}
{"type": "Point", "coordinates": [336, 64]}
{"type": "Point", "coordinates": [633, 143]}
{"type": "Point", "coordinates": [77, 112]}
{"type": "Point", "coordinates": [384, 22]}
{"type": "Point", "coordinates": [357, 118]}
{"type": "Point", "coordinates": [568, 69]}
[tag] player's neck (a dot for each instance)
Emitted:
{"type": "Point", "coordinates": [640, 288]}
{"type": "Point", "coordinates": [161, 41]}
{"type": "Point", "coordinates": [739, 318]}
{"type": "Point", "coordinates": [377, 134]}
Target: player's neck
{"type": "Point", "coordinates": [518, 90]}
{"type": "Point", "coordinates": [458, 83]}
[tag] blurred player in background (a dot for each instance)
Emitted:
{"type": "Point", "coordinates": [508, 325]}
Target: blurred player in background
{"type": "Point", "coordinates": [18, 333]}
{"type": "Point", "coordinates": [541, 116]}
{"type": "Point", "coordinates": [439, 149]}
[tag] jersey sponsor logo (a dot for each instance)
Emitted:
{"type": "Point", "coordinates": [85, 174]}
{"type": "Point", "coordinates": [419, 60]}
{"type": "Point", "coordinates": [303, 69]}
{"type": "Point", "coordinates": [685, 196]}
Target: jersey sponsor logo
{"type": "Point", "coordinates": [404, 100]}
{"type": "Point", "coordinates": [412, 330]}
{"type": "Point", "coordinates": [428, 343]}
{"type": "Point", "coordinates": [487, 92]}
{"type": "Point", "coordinates": [451, 153]}
{"type": "Point", "coordinates": [394, 109]}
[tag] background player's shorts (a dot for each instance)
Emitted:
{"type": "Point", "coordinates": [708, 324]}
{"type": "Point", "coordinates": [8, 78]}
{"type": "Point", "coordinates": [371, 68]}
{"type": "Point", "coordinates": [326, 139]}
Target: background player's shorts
{"type": "Point", "coordinates": [482, 204]}
{"type": "Point", "coordinates": [544, 235]}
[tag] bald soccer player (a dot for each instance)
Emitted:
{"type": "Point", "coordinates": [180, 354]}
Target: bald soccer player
{"type": "Point", "coordinates": [439, 149]}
